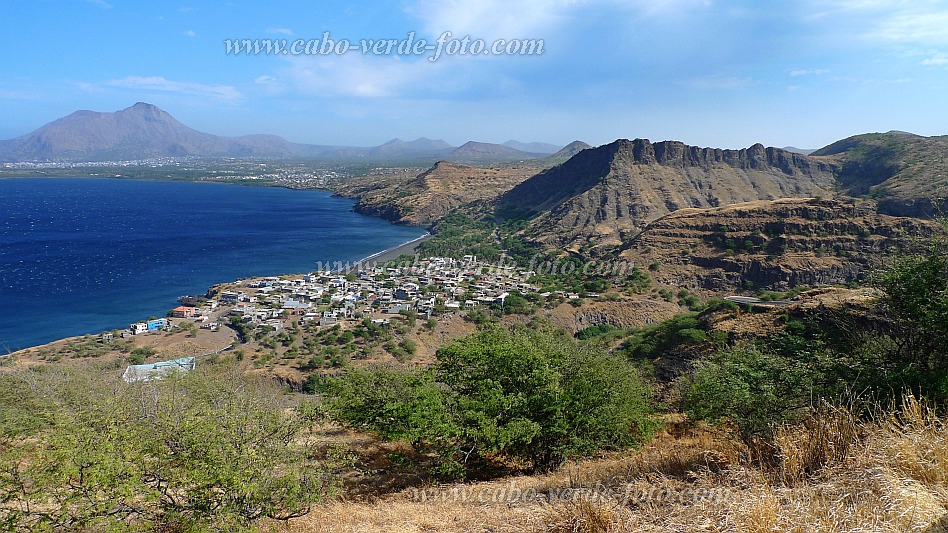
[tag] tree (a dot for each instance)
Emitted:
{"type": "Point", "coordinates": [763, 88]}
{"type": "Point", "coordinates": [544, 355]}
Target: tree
{"type": "Point", "coordinates": [83, 450]}
{"type": "Point", "coordinates": [915, 303]}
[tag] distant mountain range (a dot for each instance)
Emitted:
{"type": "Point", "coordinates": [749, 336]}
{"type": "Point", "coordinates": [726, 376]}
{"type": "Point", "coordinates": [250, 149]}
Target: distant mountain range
{"type": "Point", "coordinates": [143, 131]}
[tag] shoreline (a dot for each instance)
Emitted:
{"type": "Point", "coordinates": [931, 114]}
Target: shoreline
{"type": "Point", "coordinates": [394, 252]}
{"type": "Point", "coordinates": [388, 254]}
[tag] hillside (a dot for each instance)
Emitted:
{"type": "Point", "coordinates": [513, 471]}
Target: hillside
{"type": "Point", "coordinates": [907, 173]}
{"type": "Point", "coordinates": [774, 245]}
{"type": "Point", "coordinates": [421, 147]}
{"type": "Point", "coordinates": [602, 197]}
{"type": "Point", "coordinates": [565, 153]}
{"type": "Point", "coordinates": [420, 199]}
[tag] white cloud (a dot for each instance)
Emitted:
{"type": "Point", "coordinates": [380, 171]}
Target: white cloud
{"type": "Point", "coordinates": [919, 22]}
{"type": "Point", "coordinates": [919, 26]}
{"type": "Point", "coordinates": [491, 19]}
{"type": "Point", "coordinates": [282, 31]}
{"type": "Point", "coordinates": [158, 83]}
{"type": "Point", "coordinates": [369, 77]}
{"type": "Point", "coordinates": [530, 19]}
{"type": "Point", "coordinates": [356, 75]}
{"type": "Point", "coordinates": [808, 72]}
{"type": "Point", "coordinates": [191, 33]}
{"type": "Point", "coordinates": [936, 60]}
{"type": "Point", "coordinates": [100, 3]}
{"type": "Point", "coordinates": [721, 82]}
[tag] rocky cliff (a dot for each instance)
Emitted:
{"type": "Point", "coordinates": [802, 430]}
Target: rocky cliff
{"type": "Point", "coordinates": [773, 245]}
{"type": "Point", "coordinates": [602, 197]}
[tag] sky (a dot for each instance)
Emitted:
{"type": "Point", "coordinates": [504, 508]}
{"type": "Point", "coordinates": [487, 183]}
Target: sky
{"type": "Point", "coordinates": [713, 73]}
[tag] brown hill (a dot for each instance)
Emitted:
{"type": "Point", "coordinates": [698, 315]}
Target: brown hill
{"type": "Point", "coordinates": [424, 198]}
{"type": "Point", "coordinates": [907, 173]}
{"type": "Point", "coordinates": [774, 245]}
{"type": "Point", "coordinates": [602, 197]}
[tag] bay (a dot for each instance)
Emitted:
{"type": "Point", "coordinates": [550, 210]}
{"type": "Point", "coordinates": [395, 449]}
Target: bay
{"type": "Point", "coordinates": [83, 255]}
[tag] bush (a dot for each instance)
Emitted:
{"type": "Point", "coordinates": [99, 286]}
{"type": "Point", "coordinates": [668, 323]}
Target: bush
{"type": "Point", "coordinates": [595, 331]}
{"type": "Point", "coordinates": [915, 301]}
{"type": "Point", "coordinates": [531, 394]}
{"type": "Point", "coordinates": [138, 356]}
{"type": "Point", "coordinates": [754, 388]}
{"type": "Point", "coordinates": [652, 341]}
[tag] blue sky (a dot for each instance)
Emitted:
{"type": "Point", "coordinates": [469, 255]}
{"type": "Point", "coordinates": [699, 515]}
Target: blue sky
{"type": "Point", "coordinates": [707, 72]}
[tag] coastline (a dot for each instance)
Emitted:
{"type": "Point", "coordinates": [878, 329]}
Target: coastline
{"type": "Point", "coordinates": [409, 248]}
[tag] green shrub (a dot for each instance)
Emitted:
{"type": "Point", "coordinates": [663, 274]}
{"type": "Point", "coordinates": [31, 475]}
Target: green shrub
{"type": "Point", "coordinates": [754, 388]}
{"type": "Point", "coordinates": [533, 394]}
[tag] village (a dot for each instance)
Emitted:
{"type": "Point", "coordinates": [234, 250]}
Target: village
{"type": "Point", "coordinates": [427, 288]}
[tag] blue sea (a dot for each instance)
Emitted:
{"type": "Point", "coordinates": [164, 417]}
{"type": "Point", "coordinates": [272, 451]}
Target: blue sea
{"type": "Point", "coordinates": [83, 255]}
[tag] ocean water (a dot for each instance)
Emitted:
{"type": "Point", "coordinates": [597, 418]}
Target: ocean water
{"type": "Point", "coordinates": [81, 255]}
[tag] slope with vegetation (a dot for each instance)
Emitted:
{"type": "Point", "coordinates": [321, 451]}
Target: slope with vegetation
{"type": "Point", "coordinates": [907, 173]}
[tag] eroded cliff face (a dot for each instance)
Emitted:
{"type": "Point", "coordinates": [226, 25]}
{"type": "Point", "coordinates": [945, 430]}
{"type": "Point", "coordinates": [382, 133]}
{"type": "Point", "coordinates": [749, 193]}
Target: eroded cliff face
{"type": "Point", "coordinates": [773, 245]}
{"type": "Point", "coordinates": [603, 197]}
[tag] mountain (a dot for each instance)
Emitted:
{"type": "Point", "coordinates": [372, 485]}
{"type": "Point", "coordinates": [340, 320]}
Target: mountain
{"type": "Point", "coordinates": [138, 132]}
{"type": "Point", "coordinates": [565, 153]}
{"type": "Point", "coordinates": [604, 196]}
{"type": "Point", "coordinates": [534, 147]}
{"type": "Point", "coordinates": [424, 198]}
{"type": "Point", "coordinates": [907, 173]}
{"type": "Point", "coordinates": [144, 131]}
{"type": "Point", "coordinates": [802, 151]}
{"type": "Point", "coordinates": [473, 152]}
{"type": "Point", "coordinates": [420, 147]}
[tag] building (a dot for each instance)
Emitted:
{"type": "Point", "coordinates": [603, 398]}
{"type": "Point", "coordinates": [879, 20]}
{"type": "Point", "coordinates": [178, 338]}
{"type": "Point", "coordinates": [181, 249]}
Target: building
{"type": "Point", "coordinates": [183, 311]}
{"type": "Point", "coordinates": [157, 371]}
{"type": "Point", "coordinates": [156, 324]}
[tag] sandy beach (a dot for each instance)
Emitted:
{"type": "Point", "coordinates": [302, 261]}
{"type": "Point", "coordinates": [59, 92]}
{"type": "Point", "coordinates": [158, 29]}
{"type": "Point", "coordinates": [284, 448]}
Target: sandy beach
{"type": "Point", "coordinates": [408, 248]}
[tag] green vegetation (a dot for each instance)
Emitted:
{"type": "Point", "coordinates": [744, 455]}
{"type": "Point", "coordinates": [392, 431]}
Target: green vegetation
{"type": "Point", "coordinates": [458, 235]}
{"type": "Point", "coordinates": [528, 393]}
{"type": "Point", "coordinates": [210, 449]}
{"type": "Point", "coordinates": [650, 342]}
{"type": "Point", "coordinates": [139, 355]}
{"type": "Point", "coordinates": [859, 361]}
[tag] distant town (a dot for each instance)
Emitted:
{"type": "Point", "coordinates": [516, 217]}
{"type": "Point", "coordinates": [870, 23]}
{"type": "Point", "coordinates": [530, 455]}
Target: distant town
{"type": "Point", "coordinates": [262, 171]}
{"type": "Point", "coordinates": [428, 287]}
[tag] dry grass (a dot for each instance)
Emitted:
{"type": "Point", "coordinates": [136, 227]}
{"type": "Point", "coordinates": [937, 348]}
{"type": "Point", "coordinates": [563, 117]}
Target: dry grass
{"type": "Point", "coordinates": [831, 473]}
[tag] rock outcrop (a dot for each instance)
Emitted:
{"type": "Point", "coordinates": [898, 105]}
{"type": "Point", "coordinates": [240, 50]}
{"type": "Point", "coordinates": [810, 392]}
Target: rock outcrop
{"type": "Point", "coordinates": [775, 245]}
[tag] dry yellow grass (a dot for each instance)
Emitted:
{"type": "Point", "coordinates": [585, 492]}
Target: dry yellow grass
{"type": "Point", "coordinates": [831, 473]}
